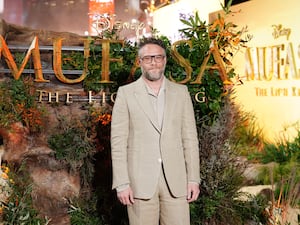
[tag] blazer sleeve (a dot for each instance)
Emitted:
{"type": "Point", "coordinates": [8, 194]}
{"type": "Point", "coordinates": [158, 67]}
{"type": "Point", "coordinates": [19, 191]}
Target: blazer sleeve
{"type": "Point", "coordinates": [119, 136]}
{"type": "Point", "coordinates": [190, 140]}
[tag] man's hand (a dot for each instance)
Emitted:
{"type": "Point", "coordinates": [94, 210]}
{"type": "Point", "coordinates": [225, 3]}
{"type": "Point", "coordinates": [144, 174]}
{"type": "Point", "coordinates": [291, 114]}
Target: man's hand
{"type": "Point", "coordinates": [126, 196]}
{"type": "Point", "coordinates": [193, 192]}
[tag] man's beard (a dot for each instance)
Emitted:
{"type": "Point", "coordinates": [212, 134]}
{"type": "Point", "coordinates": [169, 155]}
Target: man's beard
{"type": "Point", "coordinates": [153, 75]}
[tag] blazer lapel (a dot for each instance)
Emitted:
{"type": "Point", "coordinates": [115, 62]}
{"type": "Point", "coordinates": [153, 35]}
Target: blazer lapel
{"type": "Point", "coordinates": [142, 98]}
{"type": "Point", "coordinates": [169, 103]}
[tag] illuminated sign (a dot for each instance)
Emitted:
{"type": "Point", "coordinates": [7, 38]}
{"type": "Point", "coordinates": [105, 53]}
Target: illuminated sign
{"type": "Point", "coordinates": [106, 60]}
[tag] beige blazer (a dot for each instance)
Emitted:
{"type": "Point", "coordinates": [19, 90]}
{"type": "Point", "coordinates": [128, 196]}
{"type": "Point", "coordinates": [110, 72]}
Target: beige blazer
{"type": "Point", "coordinates": [139, 147]}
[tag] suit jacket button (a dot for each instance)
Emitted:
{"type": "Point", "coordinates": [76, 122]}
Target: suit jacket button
{"type": "Point", "coordinates": [159, 160]}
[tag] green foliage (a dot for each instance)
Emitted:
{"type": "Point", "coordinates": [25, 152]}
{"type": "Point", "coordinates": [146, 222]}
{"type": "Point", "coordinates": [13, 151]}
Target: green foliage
{"type": "Point", "coordinates": [217, 209]}
{"type": "Point", "coordinates": [226, 8]}
{"type": "Point", "coordinates": [119, 71]}
{"type": "Point", "coordinates": [201, 36]}
{"type": "Point", "coordinates": [12, 92]}
{"type": "Point", "coordinates": [72, 61]}
{"type": "Point", "coordinates": [211, 85]}
{"type": "Point", "coordinates": [21, 211]}
{"type": "Point", "coordinates": [247, 136]}
{"type": "Point", "coordinates": [19, 208]}
{"type": "Point", "coordinates": [221, 174]}
{"type": "Point", "coordinates": [282, 172]}
{"type": "Point", "coordinates": [281, 152]}
{"type": "Point", "coordinates": [72, 146]}
{"type": "Point", "coordinates": [287, 178]}
{"type": "Point", "coordinates": [84, 212]}
{"type": "Point", "coordinates": [19, 57]}
{"type": "Point", "coordinates": [253, 209]}
{"type": "Point", "coordinates": [17, 104]}
{"type": "Point", "coordinates": [284, 155]}
{"type": "Point", "coordinates": [216, 168]}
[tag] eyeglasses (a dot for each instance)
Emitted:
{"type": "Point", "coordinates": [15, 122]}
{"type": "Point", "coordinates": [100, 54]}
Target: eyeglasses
{"type": "Point", "coordinates": [148, 58]}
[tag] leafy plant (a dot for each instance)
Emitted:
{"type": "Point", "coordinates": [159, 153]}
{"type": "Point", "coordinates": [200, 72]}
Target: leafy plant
{"type": "Point", "coordinates": [18, 103]}
{"type": "Point", "coordinates": [283, 175]}
{"type": "Point", "coordinates": [228, 40]}
{"type": "Point", "coordinates": [19, 208]}
{"type": "Point", "coordinates": [285, 194]}
{"type": "Point", "coordinates": [120, 72]}
{"type": "Point", "coordinates": [73, 147]}
{"type": "Point", "coordinates": [221, 174]}
{"type": "Point", "coordinates": [247, 135]}
{"type": "Point", "coordinates": [84, 212]}
{"type": "Point", "coordinates": [281, 152]}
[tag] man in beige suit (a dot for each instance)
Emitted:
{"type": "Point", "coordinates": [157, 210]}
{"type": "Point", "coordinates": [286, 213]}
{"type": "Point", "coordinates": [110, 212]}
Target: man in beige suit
{"type": "Point", "coordinates": [155, 154]}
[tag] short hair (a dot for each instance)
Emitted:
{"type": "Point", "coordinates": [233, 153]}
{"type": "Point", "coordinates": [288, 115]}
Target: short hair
{"type": "Point", "coordinates": [151, 40]}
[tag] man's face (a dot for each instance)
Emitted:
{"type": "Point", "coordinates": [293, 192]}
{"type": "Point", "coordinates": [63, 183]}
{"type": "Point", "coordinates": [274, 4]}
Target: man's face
{"type": "Point", "coordinates": [152, 62]}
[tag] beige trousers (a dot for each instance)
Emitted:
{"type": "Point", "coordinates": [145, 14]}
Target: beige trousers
{"type": "Point", "coordinates": [161, 209]}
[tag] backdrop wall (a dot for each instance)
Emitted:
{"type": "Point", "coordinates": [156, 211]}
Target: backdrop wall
{"type": "Point", "coordinates": [269, 68]}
